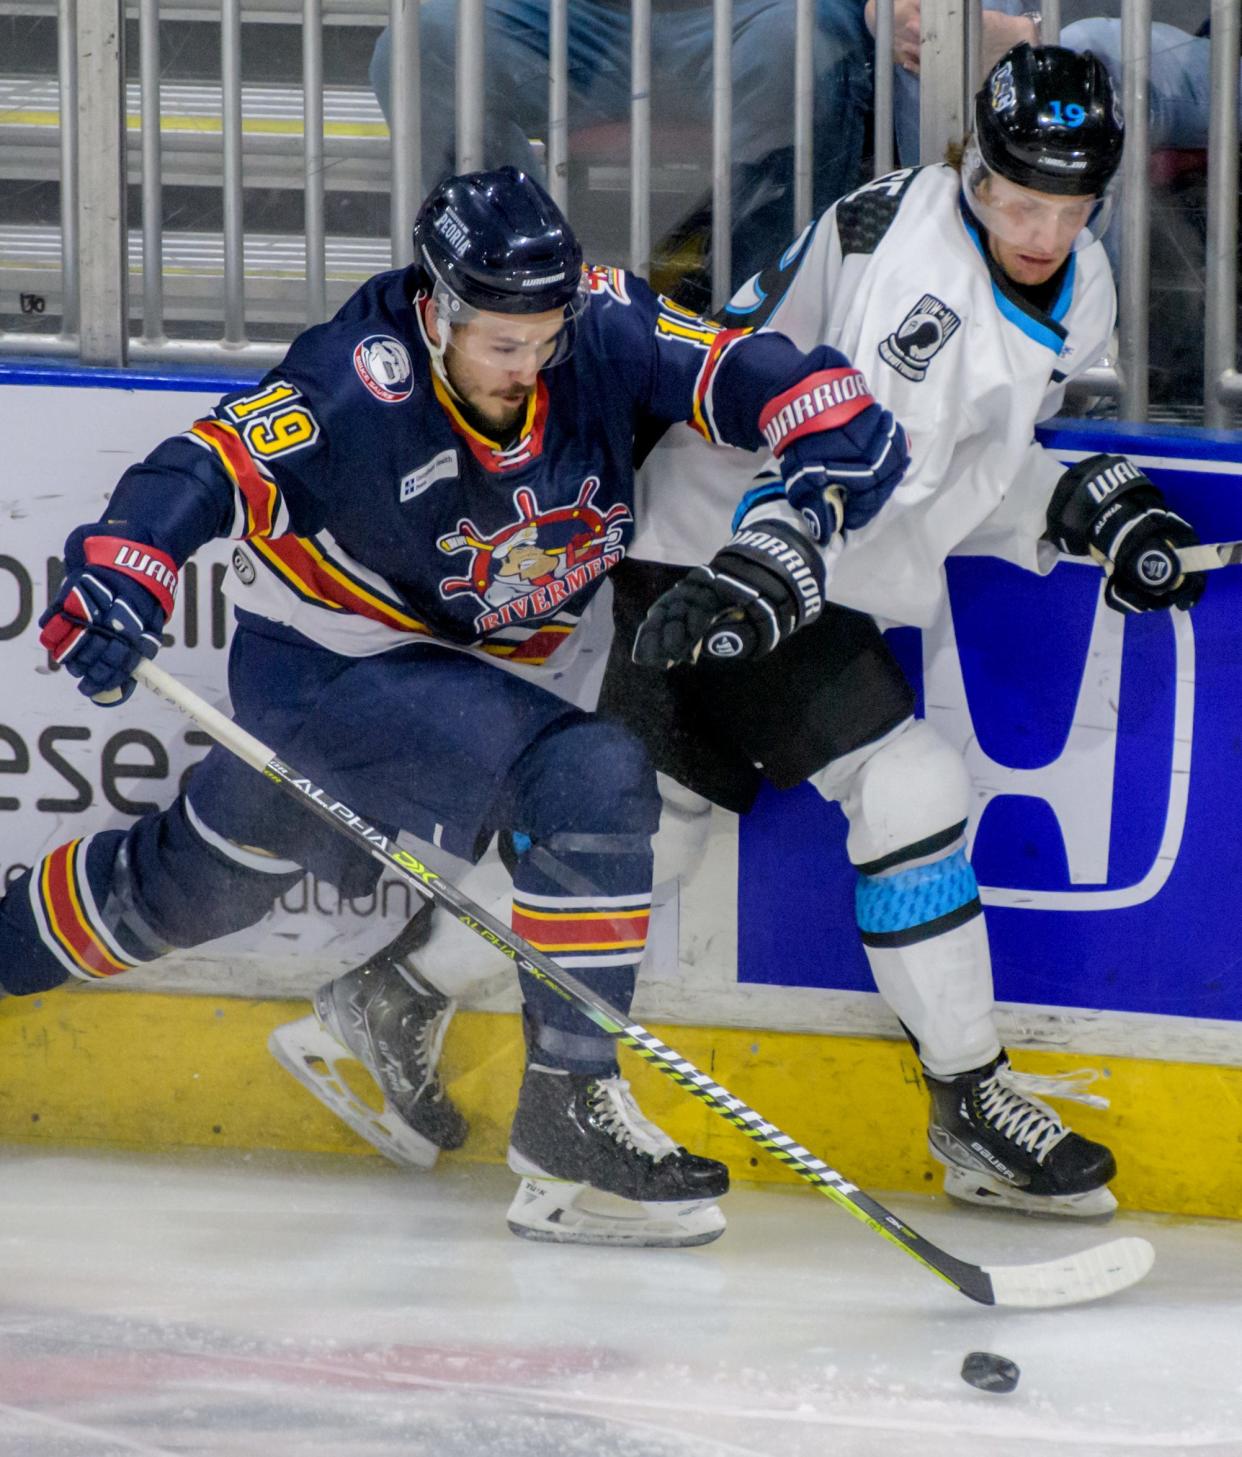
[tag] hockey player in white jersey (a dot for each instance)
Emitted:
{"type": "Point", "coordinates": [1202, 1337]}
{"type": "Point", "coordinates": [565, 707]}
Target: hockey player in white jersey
{"type": "Point", "coordinates": [972, 292]}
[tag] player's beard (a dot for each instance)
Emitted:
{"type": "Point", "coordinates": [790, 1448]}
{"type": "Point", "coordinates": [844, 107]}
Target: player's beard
{"type": "Point", "coordinates": [495, 413]}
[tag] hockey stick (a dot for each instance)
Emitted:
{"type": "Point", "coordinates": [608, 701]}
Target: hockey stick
{"type": "Point", "coordinates": [1088, 1275]}
{"type": "Point", "coordinates": [1208, 557]}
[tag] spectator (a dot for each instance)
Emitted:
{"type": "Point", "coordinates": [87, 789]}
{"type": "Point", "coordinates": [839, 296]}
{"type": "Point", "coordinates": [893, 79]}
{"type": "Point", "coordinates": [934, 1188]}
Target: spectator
{"type": "Point", "coordinates": [1180, 64]}
{"type": "Point", "coordinates": [681, 58]}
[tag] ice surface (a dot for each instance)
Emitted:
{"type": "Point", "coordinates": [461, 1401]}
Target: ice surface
{"type": "Point", "coordinates": [266, 1308]}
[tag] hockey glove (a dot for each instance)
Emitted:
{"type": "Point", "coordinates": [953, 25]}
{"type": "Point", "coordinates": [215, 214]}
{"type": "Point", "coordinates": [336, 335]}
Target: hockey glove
{"type": "Point", "coordinates": [109, 613]}
{"type": "Point", "coordinates": [767, 583]}
{"type": "Point", "coordinates": [828, 431]}
{"type": "Point", "coordinates": [1106, 508]}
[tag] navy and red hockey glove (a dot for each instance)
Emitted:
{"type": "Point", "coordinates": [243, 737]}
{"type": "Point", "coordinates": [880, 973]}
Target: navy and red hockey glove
{"type": "Point", "coordinates": [110, 611]}
{"type": "Point", "coordinates": [829, 431]}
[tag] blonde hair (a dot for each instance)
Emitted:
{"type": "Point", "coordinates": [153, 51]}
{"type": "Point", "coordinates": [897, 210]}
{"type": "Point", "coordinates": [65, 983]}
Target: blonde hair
{"type": "Point", "coordinates": [955, 152]}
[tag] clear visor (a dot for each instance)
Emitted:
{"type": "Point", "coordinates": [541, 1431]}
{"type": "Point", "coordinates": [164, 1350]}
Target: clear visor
{"type": "Point", "coordinates": [521, 343]}
{"type": "Point", "coordinates": [1039, 221]}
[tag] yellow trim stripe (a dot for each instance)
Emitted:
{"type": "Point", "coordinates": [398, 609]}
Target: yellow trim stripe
{"type": "Point", "coordinates": [253, 126]}
{"type": "Point", "coordinates": [205, 1079]}
{"type": "Point", "coordinates": [273, 492]}
{"type": "Point", "coordinates": [392, 616]}
{"type": "Point", "coordinates": [72, 851]}
{"type": "Point", "coordinates": [620, 914]}
{"type": "Point", "coordinates": [569, 947]}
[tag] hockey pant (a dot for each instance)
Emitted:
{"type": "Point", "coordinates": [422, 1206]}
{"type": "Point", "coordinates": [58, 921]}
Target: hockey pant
{"type": "Point", "coordinates": [906, 797]}
{"type": "Point", "coordinates": [580, 807]}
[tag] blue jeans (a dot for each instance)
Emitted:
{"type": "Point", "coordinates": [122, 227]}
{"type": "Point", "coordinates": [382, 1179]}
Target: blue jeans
{"type": "Point", "coordinates": [681, 104]}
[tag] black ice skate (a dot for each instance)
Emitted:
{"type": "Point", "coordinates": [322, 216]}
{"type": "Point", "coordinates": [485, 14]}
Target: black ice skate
{"type": "Point", "coordinates": [595, 1171]}
{"type": "Point", "coordinates": [384, 1015]}
{"type": "Point", "coordinates": [1001, 1147]}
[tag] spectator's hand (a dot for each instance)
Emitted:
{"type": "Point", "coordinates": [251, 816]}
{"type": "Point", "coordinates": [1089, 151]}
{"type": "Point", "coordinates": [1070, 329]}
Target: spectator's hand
{"type": "Point", "coordinates": [1000, 33]}
{"type": "Point", "coordinates": [907, 23]}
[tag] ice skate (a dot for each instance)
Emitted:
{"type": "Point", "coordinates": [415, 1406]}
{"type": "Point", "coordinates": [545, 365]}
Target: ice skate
{"type": "Point", "coordinates": [595, 1171]}
{"type": "Point", "coordinates": [1004, 1148]}
{"type": "Point", "coordinates": [387, 1017]}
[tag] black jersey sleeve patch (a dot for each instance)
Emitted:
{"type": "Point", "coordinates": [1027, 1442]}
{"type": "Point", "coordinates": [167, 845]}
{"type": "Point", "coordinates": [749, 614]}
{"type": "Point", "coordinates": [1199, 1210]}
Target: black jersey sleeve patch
{"type": "Point", "coordinates": [867, 214]}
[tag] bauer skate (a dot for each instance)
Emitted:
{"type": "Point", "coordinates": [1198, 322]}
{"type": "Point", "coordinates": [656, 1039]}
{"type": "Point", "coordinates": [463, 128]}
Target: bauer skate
{"type": "Point", "coordinates": [1004, 1148]}
{"type": "Point", "coordinates": [595, 1171]}
{"type": "Point", "coordinates": [387, 1017]}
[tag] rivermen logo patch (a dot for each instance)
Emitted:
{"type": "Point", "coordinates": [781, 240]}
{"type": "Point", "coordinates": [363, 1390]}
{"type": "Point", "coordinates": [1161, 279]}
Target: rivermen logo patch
{"type": "Point", "coordinates": [383, 365]}
{"type": "Point", "coordinates": [920, 336]}
{"type": "Point", "coordinates": [532, 566]}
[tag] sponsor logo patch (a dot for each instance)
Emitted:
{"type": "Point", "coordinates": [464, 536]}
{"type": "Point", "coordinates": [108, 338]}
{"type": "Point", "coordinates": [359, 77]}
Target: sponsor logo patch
{"type": "Point", "coordinates": [920, 336]}
{"type": "Point", "coordinates": [383, 365]}
{"type": "Point", "coordinates": [244, 567]}
{"type": "Point", "coordinates": [442, 467]}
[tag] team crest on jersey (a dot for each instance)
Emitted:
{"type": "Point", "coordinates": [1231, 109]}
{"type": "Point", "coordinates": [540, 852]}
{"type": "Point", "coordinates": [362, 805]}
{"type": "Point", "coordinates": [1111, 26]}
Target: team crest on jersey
{"type": "Point", "coordinates": [531, 567]}
{"type": "Point", "coordinates": [920, 336]}
{"type": "Point", "coordinates": [383, 365]}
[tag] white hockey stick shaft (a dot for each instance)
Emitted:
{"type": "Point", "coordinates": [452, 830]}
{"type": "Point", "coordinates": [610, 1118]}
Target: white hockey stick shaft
{"type": "Point", "coordinates": [1210, 556]}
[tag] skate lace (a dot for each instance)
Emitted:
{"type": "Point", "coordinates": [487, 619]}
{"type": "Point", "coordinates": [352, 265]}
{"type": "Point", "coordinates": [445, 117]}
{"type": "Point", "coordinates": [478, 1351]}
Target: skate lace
{"type": "Point", "coordinates": [1006, 1101]}
{"type": "Point", "coordinates": [428, 1044]}
{"type": "Point", "coordinates": [1023, 1120]}
{"type": "Point", "coordinates": [618, 1113]}
{"type": "Point", "coordinates": [1072, 1086]}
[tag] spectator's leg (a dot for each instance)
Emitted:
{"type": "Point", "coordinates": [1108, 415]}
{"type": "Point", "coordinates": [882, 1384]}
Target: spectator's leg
{"type": "Point", "coordinates": [516, 84]}
{"type": "Point", "coordinates": [763, 62]}
{"type": "Point", "coordinates": [1180, 84]}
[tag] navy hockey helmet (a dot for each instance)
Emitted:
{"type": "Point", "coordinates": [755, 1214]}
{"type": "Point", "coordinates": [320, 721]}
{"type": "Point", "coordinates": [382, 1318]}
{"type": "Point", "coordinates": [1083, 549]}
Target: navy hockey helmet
{"type": "Point", "coordinates": [1047, 118]}
{"type": "Point", "coordinates": [497, 242]}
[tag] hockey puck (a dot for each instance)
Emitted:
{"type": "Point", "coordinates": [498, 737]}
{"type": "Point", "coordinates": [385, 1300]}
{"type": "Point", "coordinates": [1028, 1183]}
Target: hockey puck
{"type": "Point", "coordinates": [989, 1372]}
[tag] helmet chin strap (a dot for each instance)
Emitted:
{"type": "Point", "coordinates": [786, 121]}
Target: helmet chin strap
{"type": "Point", "coordinates": [436, 348]}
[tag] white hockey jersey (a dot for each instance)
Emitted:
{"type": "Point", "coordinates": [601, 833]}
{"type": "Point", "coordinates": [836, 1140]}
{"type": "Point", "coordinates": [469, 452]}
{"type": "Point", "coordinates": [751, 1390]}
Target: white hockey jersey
{"type": "Point", "coordinates": [897, 278]}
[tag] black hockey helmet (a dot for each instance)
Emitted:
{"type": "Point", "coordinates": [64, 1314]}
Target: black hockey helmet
{"type": "Point", "coordinates": [496, 241]}
{"type": "Point", "coordinates": [1047, 118]}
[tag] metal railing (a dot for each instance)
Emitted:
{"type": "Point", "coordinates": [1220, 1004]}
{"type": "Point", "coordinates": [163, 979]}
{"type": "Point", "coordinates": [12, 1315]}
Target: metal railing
{"type": "Point", "coordinates": [97, 256]}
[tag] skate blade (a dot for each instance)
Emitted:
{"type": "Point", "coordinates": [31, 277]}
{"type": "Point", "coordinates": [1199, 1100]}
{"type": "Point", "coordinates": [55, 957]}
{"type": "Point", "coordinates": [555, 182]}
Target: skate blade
{"type": "Point", "coordinates": [308, 1051]}
{"type": "Point", "coordinates": [557, 1212]}
{"type": "Point", "coordinates": [968, 1187]}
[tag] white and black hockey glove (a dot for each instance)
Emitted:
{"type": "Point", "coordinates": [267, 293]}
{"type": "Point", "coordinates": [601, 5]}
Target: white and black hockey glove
{"type": "Point", "coordinates": [1107, 509]}
{"type": "Point", "coordinates": [768, 582]}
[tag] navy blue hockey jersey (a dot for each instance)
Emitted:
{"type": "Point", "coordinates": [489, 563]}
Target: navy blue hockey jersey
{"type": "Point", "coordinates": [372, 512]}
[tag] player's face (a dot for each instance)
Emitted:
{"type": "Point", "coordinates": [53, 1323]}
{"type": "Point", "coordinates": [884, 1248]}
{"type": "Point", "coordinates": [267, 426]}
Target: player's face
{"type": "Point", "coordinates": [494, 360]}
{"type": "Point", "coordinates": [1030, 234]}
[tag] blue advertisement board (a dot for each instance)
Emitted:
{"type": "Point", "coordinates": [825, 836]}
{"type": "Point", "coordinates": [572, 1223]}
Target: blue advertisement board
{"type": "Point", "coordinates": [1106, 760]}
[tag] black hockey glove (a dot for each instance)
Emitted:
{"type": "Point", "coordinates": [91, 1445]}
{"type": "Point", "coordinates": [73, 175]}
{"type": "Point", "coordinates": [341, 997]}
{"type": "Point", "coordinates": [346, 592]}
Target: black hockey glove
{"type": "Point", "coordinates": [767, 583]}
{"type": "Point", "coordinates": [109, 612]}
{"type": "Point", "coordinates": [1106, 508]}
{"type": "Point", "coordinates": [829, 433]}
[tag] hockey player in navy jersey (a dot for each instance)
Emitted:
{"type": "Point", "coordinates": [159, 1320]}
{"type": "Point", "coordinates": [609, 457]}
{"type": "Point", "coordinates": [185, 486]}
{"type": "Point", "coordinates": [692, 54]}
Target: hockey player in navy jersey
{"type": "Point", "coordinates": [426, 494]}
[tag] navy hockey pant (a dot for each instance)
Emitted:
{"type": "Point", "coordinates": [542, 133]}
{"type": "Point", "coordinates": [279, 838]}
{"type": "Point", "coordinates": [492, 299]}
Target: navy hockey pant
{"type": "Point", "coordinates": [423, 739]}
